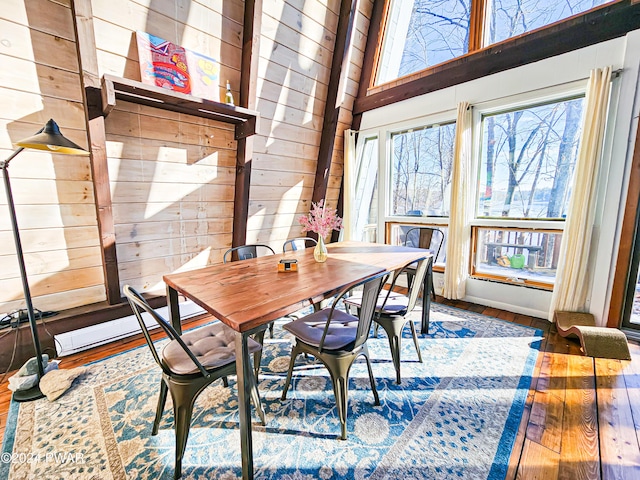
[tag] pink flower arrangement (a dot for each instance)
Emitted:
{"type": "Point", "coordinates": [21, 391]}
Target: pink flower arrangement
{"type": "Point", "coordinates": [321, 220]}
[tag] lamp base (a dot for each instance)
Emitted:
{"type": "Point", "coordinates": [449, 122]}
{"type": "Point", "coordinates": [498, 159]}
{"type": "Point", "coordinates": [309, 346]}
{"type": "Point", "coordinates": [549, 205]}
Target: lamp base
{"type": "Point", "coordinates": [33, 393]}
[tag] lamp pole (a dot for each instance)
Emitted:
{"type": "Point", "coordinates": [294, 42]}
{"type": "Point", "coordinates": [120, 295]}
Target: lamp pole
{"type": "Point", "coordinates": [32, 393]}
{"type": "Point", "coordinates": [48, 139]}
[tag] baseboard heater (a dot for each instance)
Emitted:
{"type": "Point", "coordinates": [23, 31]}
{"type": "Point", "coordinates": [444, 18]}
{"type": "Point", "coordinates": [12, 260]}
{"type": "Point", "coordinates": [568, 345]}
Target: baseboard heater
{"type": "Point", "coordinates": [95, 335]}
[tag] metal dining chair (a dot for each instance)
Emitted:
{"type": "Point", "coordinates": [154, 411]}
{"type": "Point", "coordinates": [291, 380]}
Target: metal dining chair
{"type": "Point", "coordinates": [190, 362]}
{"type": "Point", "coordinates": [298, 243]}
{"type": "Point", "coordinates": [393, 308]}
{"type": "Point", "coordinates": [428, 238]}
{"type": "Point", "coordinates": [245, 252]}
{"type": "Point", "coordinates": [337, 339]}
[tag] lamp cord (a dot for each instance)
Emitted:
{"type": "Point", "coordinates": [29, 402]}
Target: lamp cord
{"type": "Point", "coordinates": [41, 316]}
{"type": "Point", "coordinates": [13, 354]}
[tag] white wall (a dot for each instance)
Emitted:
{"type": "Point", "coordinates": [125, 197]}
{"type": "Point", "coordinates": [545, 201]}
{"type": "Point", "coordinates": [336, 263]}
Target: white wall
{"type": "Point", "coordinates": [544, 78]}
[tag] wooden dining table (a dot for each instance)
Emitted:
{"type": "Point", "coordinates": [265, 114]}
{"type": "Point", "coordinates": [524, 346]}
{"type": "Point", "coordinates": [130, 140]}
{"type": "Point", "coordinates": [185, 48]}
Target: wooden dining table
{"type": "Point", "coordinates": [249, 294]}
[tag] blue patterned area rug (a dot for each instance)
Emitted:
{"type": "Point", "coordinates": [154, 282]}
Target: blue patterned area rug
{"type": "Point", "coordinates": [455, 416]}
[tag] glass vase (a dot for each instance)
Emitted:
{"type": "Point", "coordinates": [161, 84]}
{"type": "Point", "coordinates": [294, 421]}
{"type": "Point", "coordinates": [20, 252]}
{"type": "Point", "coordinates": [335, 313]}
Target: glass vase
{"type": "Point", "coordinates": [320, 252]}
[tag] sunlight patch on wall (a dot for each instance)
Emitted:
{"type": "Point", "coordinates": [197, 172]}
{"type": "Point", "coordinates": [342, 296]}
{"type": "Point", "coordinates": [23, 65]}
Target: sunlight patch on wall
{"type": "Point", "coordinates": [199, 261]}
{"type": "Point", "coordinates": [308, 113]}
{"type": "Point", "coordinates": [171, 154]}
{"type": "Point", "coordinates": [312, 26]}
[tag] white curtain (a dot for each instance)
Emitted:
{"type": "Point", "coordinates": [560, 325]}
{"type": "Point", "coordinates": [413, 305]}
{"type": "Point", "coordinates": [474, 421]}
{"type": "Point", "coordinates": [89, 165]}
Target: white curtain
{"type": "Point", "coordinates": [459, 231]}
{"type": "Point", "coordinates": [349, 183]}
{"type": "Point", "coordinates": [572, 275]}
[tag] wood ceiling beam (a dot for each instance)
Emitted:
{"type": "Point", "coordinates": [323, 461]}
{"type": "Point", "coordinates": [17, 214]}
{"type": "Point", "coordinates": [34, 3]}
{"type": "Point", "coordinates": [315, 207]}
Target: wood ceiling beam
{"type": "Point", "coordinates": [248, 95]}
{"type": "Point", "coordinates": [332, 108]}
{"type": "Point", "coordinates": [605, 23]}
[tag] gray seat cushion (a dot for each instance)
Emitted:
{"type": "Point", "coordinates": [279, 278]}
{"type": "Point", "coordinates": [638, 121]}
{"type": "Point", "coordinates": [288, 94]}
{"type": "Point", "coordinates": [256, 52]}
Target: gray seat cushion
{"type": "Point", "coordinates": [212, 345]}
{"type": "Point", "coordinates": [397, 303]}
{"type": "Point", "coordinates": [309, 329]}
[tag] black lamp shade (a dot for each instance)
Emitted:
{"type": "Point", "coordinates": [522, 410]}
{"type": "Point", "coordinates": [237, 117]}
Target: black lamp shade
{"type": "Point", "coordinates": [50, 139]}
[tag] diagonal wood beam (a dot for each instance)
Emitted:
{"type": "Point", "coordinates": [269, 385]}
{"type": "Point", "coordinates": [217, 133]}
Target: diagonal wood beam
{"type": "Point", "coordinates": [248, 96]}
{"type": "Point", "coordinates": [332, 109]}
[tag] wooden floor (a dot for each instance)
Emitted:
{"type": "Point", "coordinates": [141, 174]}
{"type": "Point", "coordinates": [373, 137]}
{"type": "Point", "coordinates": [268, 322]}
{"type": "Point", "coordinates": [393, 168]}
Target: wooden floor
{"type": "Point", "coordinates": [581, 422]}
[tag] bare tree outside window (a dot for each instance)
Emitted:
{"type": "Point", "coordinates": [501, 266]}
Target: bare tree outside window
{"type": "Point", "coordinates": [421, 170]}
{"type": "Point", "coordinates": [508, 18]}
{"type": "Point", "coordinates": [528, 157]}
{"type": "Point", "coordinates": [425, 33]}
{"type": "Point", "coordinates": [438, 31]}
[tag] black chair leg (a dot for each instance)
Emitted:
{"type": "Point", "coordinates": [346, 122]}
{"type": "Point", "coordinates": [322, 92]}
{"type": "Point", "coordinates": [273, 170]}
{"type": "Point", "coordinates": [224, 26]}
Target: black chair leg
{"type": "Point", "coordinates": [182, 411]}
{"type": "Point", "coordinates": [162, 400]}
{"type": "Point", "coordinates": [295, 351]}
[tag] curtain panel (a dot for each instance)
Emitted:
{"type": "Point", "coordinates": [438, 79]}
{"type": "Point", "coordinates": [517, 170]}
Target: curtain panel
{"type": "Point", "coordinates": [459, 231]}
{"type": "Point", "coordinates": [572, 275]}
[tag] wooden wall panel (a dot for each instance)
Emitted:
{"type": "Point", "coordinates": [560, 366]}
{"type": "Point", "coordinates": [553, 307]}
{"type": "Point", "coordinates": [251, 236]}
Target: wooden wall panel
{"type": "Point", "coordinates": [172, 175]}
{"type": "Point", "coordinates": [53, 193]}
{"type": "Point", "coordinates": [295, 60]}
{"type": "Point", "coordinates": [172, 195]}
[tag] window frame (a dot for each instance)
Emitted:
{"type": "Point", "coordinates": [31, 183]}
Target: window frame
{"type": "Point", "coordinates": [557, 93]}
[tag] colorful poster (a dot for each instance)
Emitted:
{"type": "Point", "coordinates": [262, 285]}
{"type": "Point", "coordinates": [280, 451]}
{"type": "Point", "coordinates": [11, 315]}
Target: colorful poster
{"type": "Point", "coordinates": [205, 76]}
{"type": "Point", "coordinates": [171, 66]}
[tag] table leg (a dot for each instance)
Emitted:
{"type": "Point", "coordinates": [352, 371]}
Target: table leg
{"type": "Point", "coordinates": [243, 370]}
{"type": "Point", "coordinates": [174, 309]}
{"type": "Point", "coordinates": [426, 298]}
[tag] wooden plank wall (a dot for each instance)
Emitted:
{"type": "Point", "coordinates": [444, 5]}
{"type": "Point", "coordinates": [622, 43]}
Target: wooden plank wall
{"type": "Point", "coordinates": [296, 49]}
{"type": "Point", "coordinates": [53, 193]}
{"type": "Point", "coordinates": [172, 175]}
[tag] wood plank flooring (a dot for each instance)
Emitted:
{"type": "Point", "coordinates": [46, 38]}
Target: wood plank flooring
{"type": "Point", "coordinates": [581, 421]}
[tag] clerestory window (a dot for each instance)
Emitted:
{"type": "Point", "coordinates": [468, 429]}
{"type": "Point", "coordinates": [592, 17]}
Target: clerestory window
{"type": "Point", "coordinates": [420, 34]}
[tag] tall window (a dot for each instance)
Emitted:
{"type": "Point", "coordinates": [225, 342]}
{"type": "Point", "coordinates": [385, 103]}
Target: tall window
{"type": "Point", "coordinates": [423, 33]}
{"type": "Point", "coordinates": [527, 160]}
{"type": "Point", "coordinates": [421, 170]}
{"type": "Point", "coordinates": [365, 203]}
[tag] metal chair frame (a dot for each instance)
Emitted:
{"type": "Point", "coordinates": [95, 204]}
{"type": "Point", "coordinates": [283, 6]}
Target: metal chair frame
{"type": "Point", "coordinates": [184, 389]}
{"type": "Point", "coordinates": [339, 361]}
{"type": "Point", "coordinates": [424, 241]}
{"type": "Point", "coordinates": [293, 243]}
{"type": "Point", "coordinates": [245, 252]}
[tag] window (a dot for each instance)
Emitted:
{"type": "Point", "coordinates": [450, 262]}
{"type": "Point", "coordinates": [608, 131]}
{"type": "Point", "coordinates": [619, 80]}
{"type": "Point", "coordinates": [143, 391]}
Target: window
{"type": "Point", "coordinates": [365, 202]}
{"type": "Point", "coordinates": [527, 159]}
{"type": "Point", "coordinates": [517, 255]}
{"type": "Point", "coordinates": [421, 170]}
{"type": "Point", "coordinates": [424, 33]}
{"type": "Point", "coordinates": [508, 18]}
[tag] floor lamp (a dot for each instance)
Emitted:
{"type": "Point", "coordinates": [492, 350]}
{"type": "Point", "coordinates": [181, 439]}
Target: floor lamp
{"type": "Point", "coordinates": [50, 139]}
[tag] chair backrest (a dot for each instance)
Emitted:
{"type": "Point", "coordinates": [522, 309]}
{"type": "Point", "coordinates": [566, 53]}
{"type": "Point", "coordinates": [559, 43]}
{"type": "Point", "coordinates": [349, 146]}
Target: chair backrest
{"type": "Point", "coordinates": [245, 252]}
{"type": "Point", "coordinates": [298, 243]}
{"type": "Point", "coordinates": [371, 287]}
{"type": "Point", "coordinates": [429, 238]}
{"type": "Point", "coordinates": [420, 267]}
{"type": "Point", "coordinates": [140, 305]}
